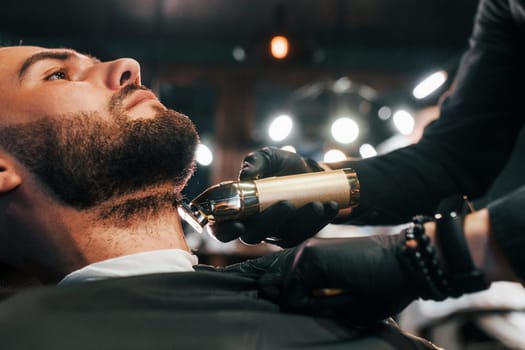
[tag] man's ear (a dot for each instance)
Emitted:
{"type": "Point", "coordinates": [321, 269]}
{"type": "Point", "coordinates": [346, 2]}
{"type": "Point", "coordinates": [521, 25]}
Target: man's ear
{"type": "Point", "coordinates": [9, 177]}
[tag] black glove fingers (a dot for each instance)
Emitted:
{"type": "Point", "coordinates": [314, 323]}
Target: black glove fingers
{"type": "Point", "coordinates": [305, 222]}
{"type": "Point", "coordinates": [312, 271]}
{"type": "Point", "coordinates": [319, 214]}
{"type": "Point", "coordinates": [285, 163]}
{"type": "Point", "coordinates": [271, 283]}
{"type": "Point", "coordinates": [253, 268]}
{"type": "Point", "coordinates": [301, 226]}
{"type": "Point", "coordinates": [254, 165]}
{"type": "Point", "coordinates": [268, 222]}
{"type": "Point", "coordinates": [300, 296]}
{"type": "Point", "coordinates": [272, 161]}
{"type": "Point", "coordinates": [331, 209]}
{"type": "Point", "coordinates": [227, 231]}
{"type": "Point", "coordinates": [308, 220]}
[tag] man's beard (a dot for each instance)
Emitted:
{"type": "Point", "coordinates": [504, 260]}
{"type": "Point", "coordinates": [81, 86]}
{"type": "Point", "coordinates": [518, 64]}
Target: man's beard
{"type": "Point", "coordinates": [85, 160]}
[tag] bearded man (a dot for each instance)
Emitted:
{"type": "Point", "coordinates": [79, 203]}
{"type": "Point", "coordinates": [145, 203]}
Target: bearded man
{"type": "Point", "coordinates": [90, 166]}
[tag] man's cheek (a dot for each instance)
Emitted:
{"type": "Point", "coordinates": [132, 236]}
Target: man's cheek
{"type": "Point", "coordinates": [58, 100]}
{"type": "Point", "coordinates": [75, 101]}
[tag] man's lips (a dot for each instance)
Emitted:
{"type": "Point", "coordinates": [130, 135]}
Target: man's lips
{"type": "Point", "coordinates": [139, 97]}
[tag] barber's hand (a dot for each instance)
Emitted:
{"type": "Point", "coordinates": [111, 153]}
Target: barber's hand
{"type": "Point", "coordinates": [281, 224]}
{"type": "Point", "coordinates": [361, 280]}
{"type": "Point", "coordinates": [272, 161]}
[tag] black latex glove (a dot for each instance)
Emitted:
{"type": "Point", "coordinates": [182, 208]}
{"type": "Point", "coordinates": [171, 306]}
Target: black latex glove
{"type": "Point", "coordinates": [281, 224]}
{"type": "Point", "coordinates": [272, 161]}
{"type": "Point", "coordinates": [374, 276]}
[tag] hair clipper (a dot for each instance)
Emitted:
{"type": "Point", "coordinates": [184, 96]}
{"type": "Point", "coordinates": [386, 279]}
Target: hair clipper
{"type": "Point", "coordinates": [237, 200]}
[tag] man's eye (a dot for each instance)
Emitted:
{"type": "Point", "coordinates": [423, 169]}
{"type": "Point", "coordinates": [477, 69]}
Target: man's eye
{"type": "Point", "coordinates": [58, 75]}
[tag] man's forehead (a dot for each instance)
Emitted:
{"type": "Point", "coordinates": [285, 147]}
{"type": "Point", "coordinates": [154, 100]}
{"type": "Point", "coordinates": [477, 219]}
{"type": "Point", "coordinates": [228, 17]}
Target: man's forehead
{"type": "Point", "coordinates": [11, 57]}
{"type": "Point", "coordinates": [13, 53]}
{"type": "Point", "coordinates": [20, 49]}
{"type": "Point", "coordinates": [29, 50]}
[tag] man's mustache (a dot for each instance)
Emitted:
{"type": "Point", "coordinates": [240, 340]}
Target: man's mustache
{"type": "Point", "coordinates": [118, 98]}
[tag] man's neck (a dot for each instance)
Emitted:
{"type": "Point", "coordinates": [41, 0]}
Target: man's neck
{"type": "Point", "coordinates": [53, 240]}
{"type": "Point", "coordinates": [133, 225]}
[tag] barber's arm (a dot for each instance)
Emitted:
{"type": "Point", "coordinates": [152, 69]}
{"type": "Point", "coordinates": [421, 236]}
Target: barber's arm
{"type": "Point", "coordinates": [366, 279]}
{"type": "Point", "coordinates": [479, 121]}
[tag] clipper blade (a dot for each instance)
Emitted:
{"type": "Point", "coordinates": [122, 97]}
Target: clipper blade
{"type": "Point", "coordinates": [187, 215]}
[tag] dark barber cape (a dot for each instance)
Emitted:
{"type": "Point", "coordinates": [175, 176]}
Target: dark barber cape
{"type": "Point", "coordinates": [185, 310]}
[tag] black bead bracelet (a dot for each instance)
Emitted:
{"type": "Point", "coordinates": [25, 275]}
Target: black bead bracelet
{"type": "Point", "coordinates": [456, 273]}
{"type": "Point", "coordinates": [424, 260]}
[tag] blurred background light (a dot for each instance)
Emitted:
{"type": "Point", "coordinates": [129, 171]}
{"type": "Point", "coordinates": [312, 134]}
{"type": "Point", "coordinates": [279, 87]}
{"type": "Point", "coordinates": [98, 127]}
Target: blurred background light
{"type": "Point", "coordinates": [239, 54]}
{"type": "Point", "coordinates": [342, 85]}
{"type": "Point", "coordinates": [203, 155]}
{"type": "Point", "coordinates": [430, 84]}
{"type": "Point", "coordinates": [280, 128]}
{"type": "Point", "coordinates": [345, 130]}
{"type": "Point", "coordinates": [334, 155]}
{"type": "Point", "coordinates": [367, 150]}
{"type": "Point", "coordinates": [384, 113]}
{"type": "Point", "coordinates": [404, 122]}
{"type": "Point", "coordinates": [279, 47]}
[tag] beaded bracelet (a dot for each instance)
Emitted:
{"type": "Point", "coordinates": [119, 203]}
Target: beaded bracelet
{"type": "Point", "coordinates": [424, 259]}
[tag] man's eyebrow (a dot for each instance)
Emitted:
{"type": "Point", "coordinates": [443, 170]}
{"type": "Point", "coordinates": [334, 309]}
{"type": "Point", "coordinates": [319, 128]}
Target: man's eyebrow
{"type": "Point", "coordinates": [61, 55]}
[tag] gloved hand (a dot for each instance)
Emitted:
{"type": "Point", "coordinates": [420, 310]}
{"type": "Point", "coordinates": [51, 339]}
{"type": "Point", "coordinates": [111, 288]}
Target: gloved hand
{"type": "Point", "coordinates": [272, 161]}
{"type": "Point", "coordinates": [281, 224]}
{"type": "Point", "coordinates": [369, 277]}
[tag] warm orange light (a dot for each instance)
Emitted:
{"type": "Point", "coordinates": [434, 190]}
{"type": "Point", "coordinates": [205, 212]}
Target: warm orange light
{"type": "Point", "coordinates": [279, 47]}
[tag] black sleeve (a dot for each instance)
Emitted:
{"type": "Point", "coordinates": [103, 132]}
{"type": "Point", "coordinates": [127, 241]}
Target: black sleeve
{"type": "Point", "coordinates": [464, 150]}
{"type": "Point", "coordinates": [507, 221]}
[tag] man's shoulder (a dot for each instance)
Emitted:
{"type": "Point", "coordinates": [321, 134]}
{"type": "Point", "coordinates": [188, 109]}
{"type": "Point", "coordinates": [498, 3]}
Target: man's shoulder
{"type": "Point", "coordinates": [202, 281]}
{"type": "Point", "coordinates": [189, 310]}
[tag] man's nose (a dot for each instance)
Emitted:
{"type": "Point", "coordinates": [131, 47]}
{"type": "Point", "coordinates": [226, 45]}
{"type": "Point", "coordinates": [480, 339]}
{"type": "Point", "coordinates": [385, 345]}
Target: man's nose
{"type": "Point", "coordinates": [123, 72]}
